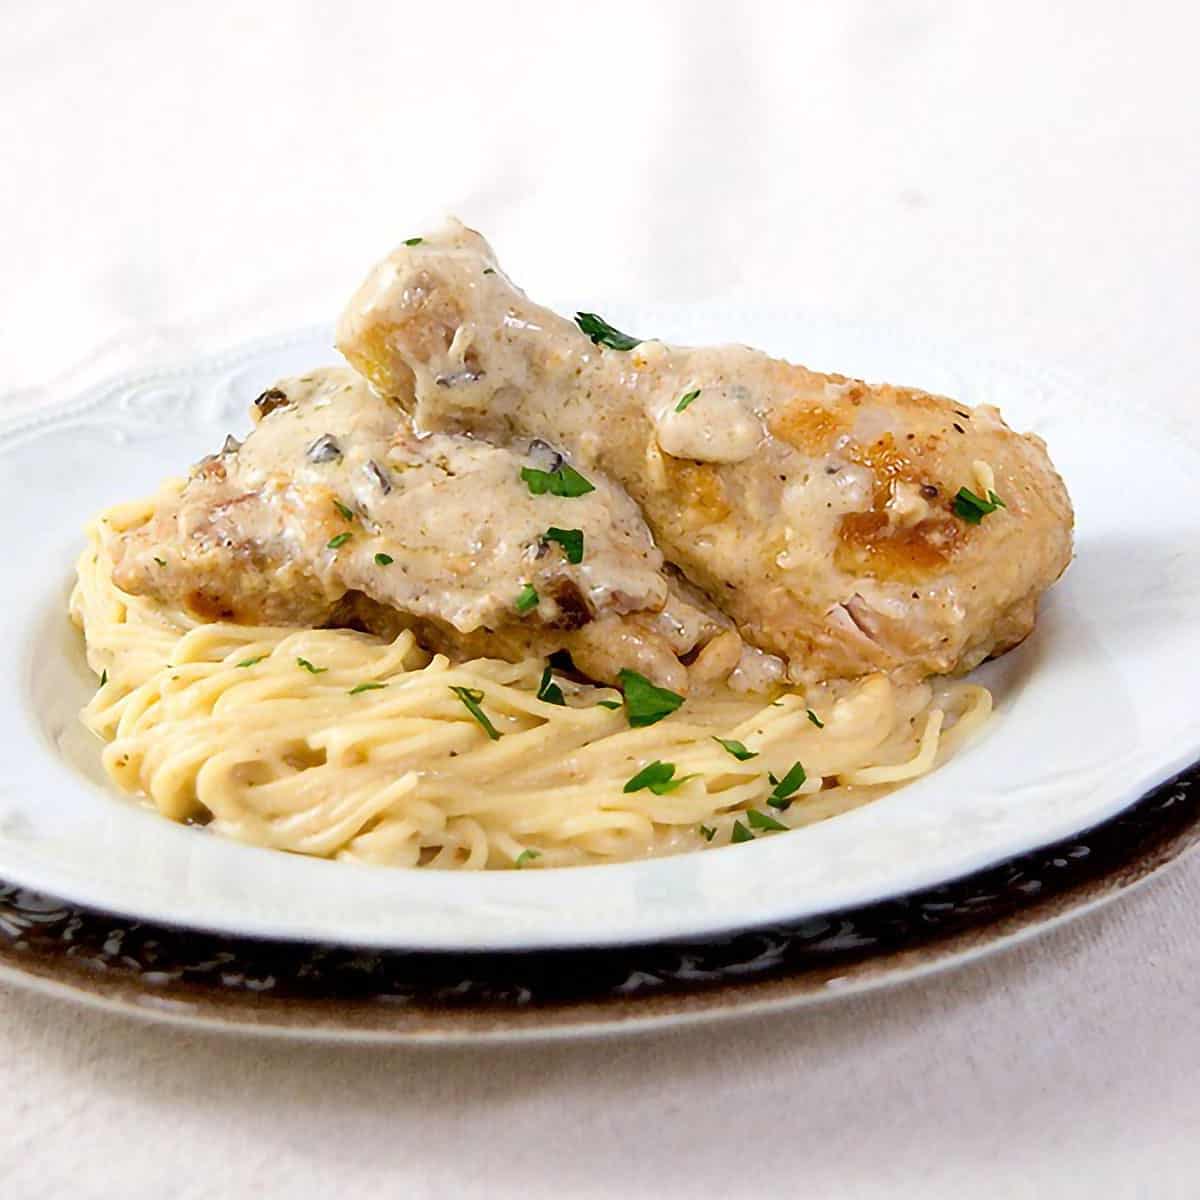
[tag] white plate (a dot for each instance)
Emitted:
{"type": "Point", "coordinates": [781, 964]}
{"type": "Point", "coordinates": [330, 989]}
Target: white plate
{"type": "Point", "coordinates": [1095, 708]}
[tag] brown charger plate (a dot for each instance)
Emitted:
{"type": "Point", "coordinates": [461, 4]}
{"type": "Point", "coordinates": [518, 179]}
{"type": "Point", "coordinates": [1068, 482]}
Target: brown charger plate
{"type": "Point", "coordinates": [338, 992]}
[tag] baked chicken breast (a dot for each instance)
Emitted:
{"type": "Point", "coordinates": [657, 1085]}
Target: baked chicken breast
{"type": "Point", "coordinates": [843, 528]}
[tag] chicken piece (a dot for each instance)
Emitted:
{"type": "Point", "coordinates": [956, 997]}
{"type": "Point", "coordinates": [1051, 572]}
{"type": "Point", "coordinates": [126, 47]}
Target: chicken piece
{"type": "Point", "coordinates": [333, 512]}
{"type": "Point", "coordinates": [817, 511]}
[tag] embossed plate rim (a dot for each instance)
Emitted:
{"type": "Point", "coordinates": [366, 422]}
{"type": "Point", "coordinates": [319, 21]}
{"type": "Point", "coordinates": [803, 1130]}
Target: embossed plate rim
{"type": "Point", "coordinates": [132, 861]}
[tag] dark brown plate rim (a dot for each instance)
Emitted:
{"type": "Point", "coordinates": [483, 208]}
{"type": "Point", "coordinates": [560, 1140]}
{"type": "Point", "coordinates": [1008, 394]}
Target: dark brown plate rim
{"type": "Point", "coordinates": [313, 990]}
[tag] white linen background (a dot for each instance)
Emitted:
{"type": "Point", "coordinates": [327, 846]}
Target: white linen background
{"type": "Point", "coordinates": [1022, 176]}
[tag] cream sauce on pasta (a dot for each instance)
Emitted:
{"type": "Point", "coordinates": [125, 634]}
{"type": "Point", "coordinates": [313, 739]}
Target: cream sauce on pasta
{"type": "Point", "coordinates": [339, 744]}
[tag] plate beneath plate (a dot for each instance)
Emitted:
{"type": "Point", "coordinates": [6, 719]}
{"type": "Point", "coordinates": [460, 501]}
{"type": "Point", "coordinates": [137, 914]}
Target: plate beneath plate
{"type": "Point", "coordinates": [1092, 711]}
{"type": "Point", "coordinates": [342, 994]}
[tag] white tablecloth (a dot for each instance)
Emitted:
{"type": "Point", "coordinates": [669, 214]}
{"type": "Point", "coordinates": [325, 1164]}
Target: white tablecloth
{"type": "Point", "coordinates": [1023, 175]}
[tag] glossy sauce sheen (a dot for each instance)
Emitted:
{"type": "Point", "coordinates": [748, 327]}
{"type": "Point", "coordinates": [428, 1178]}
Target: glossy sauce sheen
{"type": "Point", "coordinates": [461, 525]}
{"type": "Point", "coordinates": [333, 495]}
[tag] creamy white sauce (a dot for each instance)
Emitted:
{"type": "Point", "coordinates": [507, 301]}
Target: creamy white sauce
{"type": "Point", "coordinates": [717, 427]}
{"type": "Point", "coordinates": [463, 529]}
{"type": "Point", "coordinates": [757, 671]}
{"type": "Point", "coordinates": [906, 506]}
{"type": "Point", "coordinates": [813, 505]}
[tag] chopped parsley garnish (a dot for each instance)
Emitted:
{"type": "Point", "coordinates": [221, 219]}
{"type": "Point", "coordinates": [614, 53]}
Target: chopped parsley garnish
{"type": "Point", "coordinates": [659, 777]}
{"type": "Point", "coordinates": [740, 833]}
{"type": "Point", "coordinates": [471, 697]}
{"type": "Point", "coordinates": [413, 241]}
{"type": "Point", "coordinates": [565, 481]}
{"type": "Point", "coordinates": [340, 540]}
{"type": "Point", "coordinates": [972, 508]}
{"type": "Point", "coordinates": [785, 788]}
{"type": "Point", "coordinates": [307, 666]}
{"type": "Point", "coordinates": [608, 703]}
{"type": "Point", "coordinates": [104, 677]}
{"type": "Point", "coordinates": [527, 856]}
{"type": "Point", "coordinates": [549, 691]}
{"type": "Point", "coordinates": [489, 270]}
{"type": "Point", "coordinates": [707, 832]}
{"type": "Point", "coordinates": [370, 686]}
{"type": "Point", "coordinates": [736, 748]}
{"type": "Point", "coordinates": [603, 334]}
{"type": "Point", "coordinates": [252, 662]}
{"type": "Point", "coordinates": [686, 399]}
{"type": "Point", "coordinates": [384, 560]}
{"type": "Point", "coordinates": [347, 513]}
{"type": "Point", "coordinates": [812, 716]}
{"type": "Point", "coordinates": [644, 702]}
{"type": "Point", "coordinates": [571, 540]}
{"type": "Point", "coordinates": [527, 598]}
{"type": "Point", "coordinates": [162, 562]}
{"type": "Point", "coordinates": [761, 820]}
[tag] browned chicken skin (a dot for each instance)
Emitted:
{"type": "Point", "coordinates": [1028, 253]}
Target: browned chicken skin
{"type": "Point", "coordinates": [817, 512]}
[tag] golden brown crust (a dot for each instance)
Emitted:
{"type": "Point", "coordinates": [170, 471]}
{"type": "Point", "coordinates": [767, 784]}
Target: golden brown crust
{"type": "Point", "coordinates": [699, 490]}
{"type": "Point", "coordinates": [808, 427]}
{"type": "Point", "coordinates": [868, 545]}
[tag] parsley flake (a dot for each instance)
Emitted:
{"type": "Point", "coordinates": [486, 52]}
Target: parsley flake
{"type": "Point", "coordinates": [707, 832]}
{"type": "Point", "coordinates": [686, 399]}
{"type": "Point", "coordinates": [565, 481]}
{"type": "Point", "coordinates": [307, 666]}
{"type": "Point", "coordinates": [347, 513]}
{"type": "Point", "coordinates": [252, 662]}
{"type": "Point", "coordinates": [413, 241]}
{"type": "Point", "coordinates": [608, 703]}
{"type": "Point", "coordinates": [761, 820]}
{"type": "Point", "coordinates": [736, 748]}
{"type": "Point", "coordinates": [603, 334]}
{"type": "Point", "coordinates": [471, 698]}
{"type": "Point", "coordinates": [571, 540]}
{"type": "Point", "coordinates": [812, 716]}
{"type": "Point", "coordinates": [527, 598]}
{"type": "Point", "coordinates": [489, 270]}
{"type": "Point", "coordinates": [104, 677]}
{"type": "Point", "coordinates": [384, 560]}
{"type": "Point", "coordinates": [340, 540]}
{"type": "Point", "coordinates": [526, 856]}
{"type": "Point", "coordinates": [162, 562]}
{"type": "Point", "coordinates": [644, 702]}
{"type": "Point", "coordinates": [549, 691]}
{"type": "Point", "coordinates": [785, 788]}
{"type": "Point", "coordinates": [740, 833]}
{"type": "Point", "coordinates": [972, 508]}
{"type": "Point", "coordinates": [659, 777]}
{"type": "Point", "coordinates": [369, 686]}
